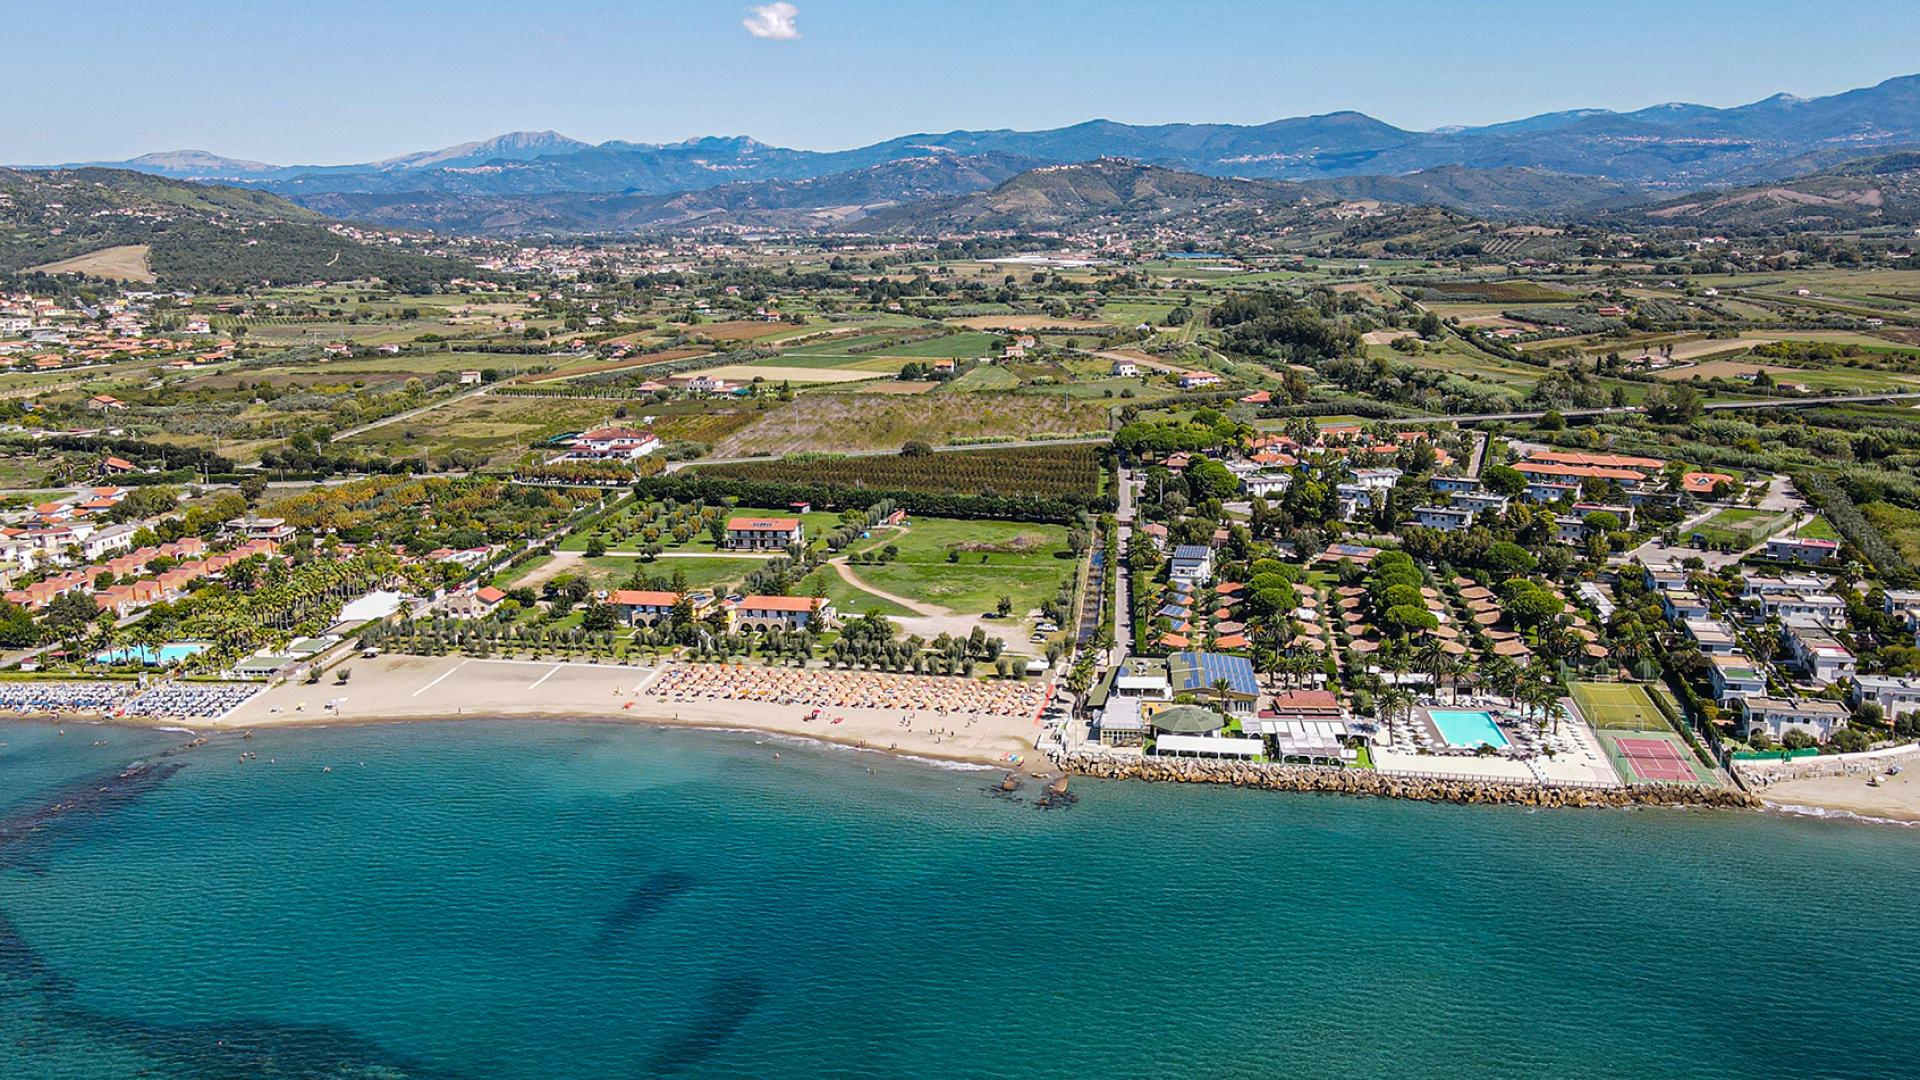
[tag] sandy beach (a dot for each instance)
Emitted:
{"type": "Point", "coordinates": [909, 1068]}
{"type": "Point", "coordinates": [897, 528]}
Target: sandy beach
{"type": "Point", "coordinates": [1897, 798]}
{"type": "Point", "coordinates": [398, 688]}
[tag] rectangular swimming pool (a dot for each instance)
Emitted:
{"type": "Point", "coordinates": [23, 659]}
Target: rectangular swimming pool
{"type": "Point", "coordinates": [1467, 727]}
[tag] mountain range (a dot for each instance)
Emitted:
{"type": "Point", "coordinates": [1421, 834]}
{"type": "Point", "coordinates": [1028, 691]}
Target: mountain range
{"type": "Point", "coordinates": [1583, 164]}
{"type": "Point", "coordinates": [1672, 146]}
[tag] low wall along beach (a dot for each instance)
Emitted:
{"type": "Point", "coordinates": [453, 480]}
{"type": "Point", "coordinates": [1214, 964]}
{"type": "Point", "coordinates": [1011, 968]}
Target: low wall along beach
{"type": "Point", "coordinates": [1387, 785]}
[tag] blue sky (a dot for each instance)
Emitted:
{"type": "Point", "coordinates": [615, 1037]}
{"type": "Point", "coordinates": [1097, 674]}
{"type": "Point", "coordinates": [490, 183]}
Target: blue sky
{"type": "Point", "coordinates": [329, 81]}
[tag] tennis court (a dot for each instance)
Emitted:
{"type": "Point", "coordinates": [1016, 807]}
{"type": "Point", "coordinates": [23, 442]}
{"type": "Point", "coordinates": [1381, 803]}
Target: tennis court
{"type": "Point", "coordinates": [1655, 759]}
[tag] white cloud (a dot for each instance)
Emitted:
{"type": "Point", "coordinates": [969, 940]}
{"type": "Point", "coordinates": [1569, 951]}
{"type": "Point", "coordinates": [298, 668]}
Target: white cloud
{"type": "Point", "coordinates": [773, 21]}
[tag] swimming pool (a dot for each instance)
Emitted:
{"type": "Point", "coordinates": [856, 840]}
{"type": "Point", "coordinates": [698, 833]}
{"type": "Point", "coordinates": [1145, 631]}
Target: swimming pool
{"type": "Point", "coordinates": [171, 653]}
{"type": "Point", "coordinates": [1467, 727]}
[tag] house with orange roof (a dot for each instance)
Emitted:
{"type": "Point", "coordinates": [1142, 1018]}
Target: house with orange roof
{"type": "Point", "coordinates": [785, 612]}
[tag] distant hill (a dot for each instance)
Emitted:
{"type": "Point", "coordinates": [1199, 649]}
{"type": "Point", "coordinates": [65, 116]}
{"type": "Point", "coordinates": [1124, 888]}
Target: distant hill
{"type": "Point", "coordinates": [1670, 147]}
{"type": "Point", "coordinates": [1494, 193]}
{"type": "Point", "coordinates": [1071, 196]}
{"type": "Point", "coordinates": [1883, 190]}
{"type": "Point", "coordinates": [769, 204]}
{"type": "Point", "coordinates": [513, 146]}
{"type": "Point", "coordinates": [194, 234]}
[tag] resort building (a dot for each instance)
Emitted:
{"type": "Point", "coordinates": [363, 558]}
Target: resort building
{"type": "Point", "coordinates": [1801, 549]}
{"type": "Point", "coordinates": [1444, 518]}
{"type": "Point", "coordinates": [1824, 609]}
{"type": "Point", "coordinates": [1777, 716]}
{"type": "Point", "coordinates": [610, 444]}
{"type": "Point", "coordinates": [1226, 680]}
{"type": "Point", "coordinates": [1478, 502]}
{"type": "Point", "coordinates": [1900, 600]}
{"type": "Point", "coordinates": [643, 607]}
{"type": "Point", "coordinates": [1896, 696]}
{"type": "Point", "coordinates": [1192, 563]}
{"type": "Point", "coordinates": [1550, 491]}
{"type": "Point", "coordinates": [1679, 605]}
{"type": "Point", "coordinates": [1734, 676]}
{"type": "Point", "coordinates": [763, 534]}
{"type": "Point", "coordinates": [1711, 636]}
{"type": "Point", "coordinates": [1755, 586]}
{"type": "Point", "coordinates": [785, 612]}
{"type": "Point", "coordinates": [1817, 653]}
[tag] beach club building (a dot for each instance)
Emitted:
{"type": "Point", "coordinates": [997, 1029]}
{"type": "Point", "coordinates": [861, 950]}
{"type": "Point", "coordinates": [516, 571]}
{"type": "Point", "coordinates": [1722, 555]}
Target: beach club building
{"type": "Point", "coordinates": [764, 534]}
{"type": "Point", "coordinates": [1225, 680]}
{"type": "Point", "coordinates": [785, 612]}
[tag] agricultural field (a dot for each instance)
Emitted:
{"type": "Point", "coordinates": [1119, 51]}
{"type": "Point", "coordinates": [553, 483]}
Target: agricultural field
{"type": "Point", "coordinates": [843, 422]}
{"type": "Point", "coordinates": [1046, 471]}
{"type": "Point", "coordinates": [501, 431]}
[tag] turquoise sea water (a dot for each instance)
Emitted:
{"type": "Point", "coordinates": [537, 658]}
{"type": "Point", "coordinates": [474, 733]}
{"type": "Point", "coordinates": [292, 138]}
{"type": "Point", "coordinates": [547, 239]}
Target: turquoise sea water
{"type": "Point", "coordinates": [557, 901]}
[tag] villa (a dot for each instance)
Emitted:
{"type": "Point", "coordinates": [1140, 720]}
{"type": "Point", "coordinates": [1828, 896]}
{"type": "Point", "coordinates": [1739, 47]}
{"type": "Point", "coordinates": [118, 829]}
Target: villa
{"type": "Point", "coordinates": [764, 534]}
{"type": "Point", "coordinates": [1896, 696]}
{"type": "Point", "coordinates": [610, 444]}
{"type": "Point", "coordinates": [1817, 653]}
{"type": "Point", "coordinates": [1801, 549]}
{"type": "Point", "coordinates": [1734, 676]}
{"type": "Point", "coordinates": [1817, 717]}
{"type": "Point", "coordinates": [1192, 563]}
{"type": "Point", "coordinates": [785, 612]}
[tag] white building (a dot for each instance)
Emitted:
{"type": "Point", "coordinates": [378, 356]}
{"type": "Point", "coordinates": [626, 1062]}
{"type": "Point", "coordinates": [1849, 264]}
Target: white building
{"type": "Point", "coordinates": [1192, 563]}
{"type": "Point", "coordinates": [1896, 696]}
{"type": "Point", "coordinates": [1817, 653]}
{"type": "Point", "coordinates": [1777, 716]}
{"type": "Point", "coordinates": [1734, 676]}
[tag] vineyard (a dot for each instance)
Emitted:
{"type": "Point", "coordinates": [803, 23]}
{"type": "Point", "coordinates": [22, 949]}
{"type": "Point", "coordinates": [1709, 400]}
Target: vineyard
{"type": "Point", "coordinates": [1051, 472]}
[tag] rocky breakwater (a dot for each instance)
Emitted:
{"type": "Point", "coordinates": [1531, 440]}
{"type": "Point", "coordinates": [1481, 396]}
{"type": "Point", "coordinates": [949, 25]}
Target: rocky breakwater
{"type": "Point", "coordinates": [1388, 786]}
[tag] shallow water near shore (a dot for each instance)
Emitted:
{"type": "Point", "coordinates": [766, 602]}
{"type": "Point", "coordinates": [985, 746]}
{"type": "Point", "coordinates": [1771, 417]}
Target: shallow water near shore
{"type": "Point", "coordinates": [492, 899]}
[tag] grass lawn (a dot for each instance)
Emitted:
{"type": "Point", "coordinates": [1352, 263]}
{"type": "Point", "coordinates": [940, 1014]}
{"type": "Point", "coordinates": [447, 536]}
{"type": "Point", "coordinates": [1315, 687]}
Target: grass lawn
{"type": "Point", "coordinates": [1741, 526]}
{"type": "Point", "coordinates": [1624, 706]}
{"type": "Point", "coordinates": [847, 600]}
{"type": "Point", "coordinates": [1020, 562]}
{"type": "Point", "coordinates": [1819, 529]}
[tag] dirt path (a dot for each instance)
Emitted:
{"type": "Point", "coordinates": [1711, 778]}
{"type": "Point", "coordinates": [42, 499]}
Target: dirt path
{"type": "Point", "coordinates": [929, 620]}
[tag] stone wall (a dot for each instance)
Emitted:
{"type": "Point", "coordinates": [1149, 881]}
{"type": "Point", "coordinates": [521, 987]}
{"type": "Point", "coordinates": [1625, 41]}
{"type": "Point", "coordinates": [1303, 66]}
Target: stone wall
{"type": "Point", "coordinates": [1762, 773]}
{"type": "Point", "coordinates": [1387, 785]}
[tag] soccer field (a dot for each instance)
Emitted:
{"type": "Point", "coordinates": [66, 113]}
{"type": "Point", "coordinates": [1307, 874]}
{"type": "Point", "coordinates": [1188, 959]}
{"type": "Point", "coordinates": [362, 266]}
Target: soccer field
{"type": "Point", "coordinates": [1621, 706]}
